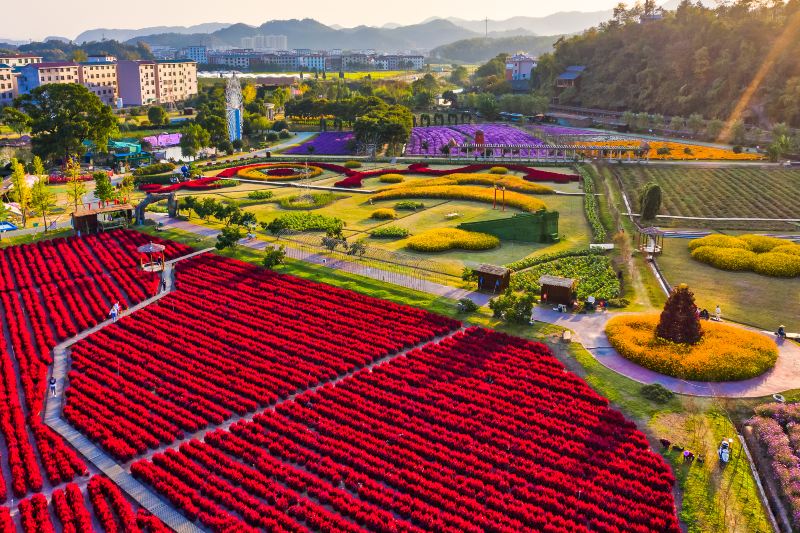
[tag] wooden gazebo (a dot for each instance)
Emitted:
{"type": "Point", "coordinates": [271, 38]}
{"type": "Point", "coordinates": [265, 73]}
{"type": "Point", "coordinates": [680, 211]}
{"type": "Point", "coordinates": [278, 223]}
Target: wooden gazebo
{"type": "Point", "coordinates": [152, 257]}
{"type": "Point", "coordinates": [650, 241]}
{"type": "Point", "coordinates": [558, 290]}
{"type": "Point", "coordinates": [492, 278]}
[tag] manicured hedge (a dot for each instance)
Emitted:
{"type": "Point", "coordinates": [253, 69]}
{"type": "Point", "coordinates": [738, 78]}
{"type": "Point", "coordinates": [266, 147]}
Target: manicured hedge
{"type": "Point", "coordinates": [764, 255]}
{"type": "Point", "coordinates": [441, 239]}
{"type": "Point", "coordinates": [389, 232]}
{"type": "Point", "coordinates": [156, 168]}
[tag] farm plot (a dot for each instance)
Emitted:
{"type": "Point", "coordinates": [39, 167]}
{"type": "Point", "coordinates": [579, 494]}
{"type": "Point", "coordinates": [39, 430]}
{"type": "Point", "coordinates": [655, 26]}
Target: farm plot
{"type": "Point", "coordinates": [743, 192]}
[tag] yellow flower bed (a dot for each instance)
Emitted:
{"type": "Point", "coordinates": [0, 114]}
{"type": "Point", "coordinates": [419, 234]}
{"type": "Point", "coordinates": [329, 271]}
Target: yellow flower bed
{"type": "Point", "coordinates": [392, 178]}
{"type": "Point", "coordinates": [461, 192]}
{"type": "Point", "coordinates": [677, 151]}
{"type": "Point", "coordinates": [725, 353]}
{"type": "Point", "coordinates": [441, 239]}
{"type": "Point", "coordinates": [384, 214]}
{"type": "Point", "coordinates": [768, 256]}
{"type": "Point", "coordinates": [260, 172]}
{"type": "Point", "coordinates": [511, 183]}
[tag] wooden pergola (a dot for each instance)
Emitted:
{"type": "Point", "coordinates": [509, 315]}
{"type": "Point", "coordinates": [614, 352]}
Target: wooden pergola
{"type": "Point", "coordinates": [90, 221]}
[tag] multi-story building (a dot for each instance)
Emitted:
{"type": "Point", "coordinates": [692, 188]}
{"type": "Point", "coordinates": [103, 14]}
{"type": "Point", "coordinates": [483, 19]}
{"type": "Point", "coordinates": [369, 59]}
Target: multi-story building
{"type": "Point", "coordinates": [100, 77]}
{"type": "Point", "coordinates": [265, 42]}
{"type": "Point", "coordinates": [403, 62]}
{"type": "Point", "coordinates": [237, 58]}
{"type": "Point", "coordinates": [137, 82]}
{"type": "Point", "coordinates": [7, 85]}
{"type": "Point", "coordinates": [356, 62]}
{"type": "Point", "coordinates": [520, 67]}
{"type": "Point", "coordinates": [34, 75]}
{"type": "Point", "coordinates": [198, 54]}
{"type": "Point", "coordinates": [313, 62]}
{"type": "Point", "coordinates": [176, 80]}
{"type": "Point", "coordinates": [19, 60]}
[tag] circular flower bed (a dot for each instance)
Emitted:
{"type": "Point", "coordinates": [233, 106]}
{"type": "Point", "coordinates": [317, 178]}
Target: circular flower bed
{"type": "Point", "coordinates": [725, 352]}
{"type": "Point", "coordinates": [279, 172]}
{"type": "Point", "coordinates": [769, 256]}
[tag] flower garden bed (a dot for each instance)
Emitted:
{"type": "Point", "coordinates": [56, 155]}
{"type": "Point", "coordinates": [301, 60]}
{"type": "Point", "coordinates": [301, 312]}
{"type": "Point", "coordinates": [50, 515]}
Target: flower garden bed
{"type": "Point", "coordinates": [279, 172]}
{"type": "Point", "coordinates": [325, 143]}
{"type": "Point", "coordinates": [443, 239]}
{"type": "Point", "coordinates": [725, 352]}
{"type": "Point", "coordinates": [462, 192]}
{"type": "Point", "coordinates": [199, 184]}
{"type": "Point", "coordinates": [777, 428]}
{"type": "Point", "coordinates": [593, 272]}
{"type": "Point", "coordinates": [678, 151]}
{"type": "Point", "coordinates": [768, 256]}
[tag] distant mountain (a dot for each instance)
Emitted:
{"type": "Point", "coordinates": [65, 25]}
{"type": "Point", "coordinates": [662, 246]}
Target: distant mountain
{"type": "Point", "coordinates": [309, 33]}
{"type": "Point", "coordinates": [56, 38]}
{"type": "Point", "coordinates": [563, 22]}
{"type": "Point", "coordinates": [10, 42]}
{"type": "Point", "coordinates": [125, 35]}
{"type": "Point", "coordinates": [480, 49]}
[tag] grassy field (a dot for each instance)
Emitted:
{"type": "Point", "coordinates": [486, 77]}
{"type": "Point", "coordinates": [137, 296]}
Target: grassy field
{"type": "Point", "coordinates": [355, 210]}
{"type": "Point", "coordinates": [711, 499]}
{"type": "Point", "coordinates": [741, 192]}
{"type": "Point", "coordinates": [763, 301]}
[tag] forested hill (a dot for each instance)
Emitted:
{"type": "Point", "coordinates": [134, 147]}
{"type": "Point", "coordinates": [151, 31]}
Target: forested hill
{"type": "Point", "coordinates": [480, 49]}
{"type": "Point", "coordinates": [694, 60]}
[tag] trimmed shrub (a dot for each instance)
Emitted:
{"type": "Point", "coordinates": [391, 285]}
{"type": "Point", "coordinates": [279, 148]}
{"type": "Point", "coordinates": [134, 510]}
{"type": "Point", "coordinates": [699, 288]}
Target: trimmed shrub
{"type": "Point", "coordinates": [383, 214]}
{"type": "Point", "coordinates": [389, 232]}
{"type": "Point", "coordinates": [679, 321]}
{"type": "Point", "coordinates": [718, 241]}
{"type": "Point", "coordinates": [725, 352]}
{"type": "Point", "coordinates": [735, 259]}
{"type": "Point", "coordinates": [391, 178]}
{"type": "Point", "coordinates": [409, 205]}
{"type": "Point", "coordinates": [441, 239]}
{"type": "Point", "coordinates": [777, 264]}
{"type": "Point", "coordinates": [259, 195]}
{"type": "Point", "coordinates": [156, 168]}
{"type": "Point", "coordinates": [791, 249]}
{"type": "Point", "coordinates": [465, 305]}
{"type": "Point", "coordinates": [651, 201]}
{"type": "Point", "coordinates": [498, 170]}
{"type": "Point", "coordinates": [304, 221]}
{"type": "Point", "coordinates": [352, 164]}
{"type": "Point", "coordinates": [761, 244]}
{"type": "Point", "coordinates": [657, 393]}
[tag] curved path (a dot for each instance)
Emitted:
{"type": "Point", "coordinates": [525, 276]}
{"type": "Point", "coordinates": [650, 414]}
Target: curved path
{"type": "Point", "coordinates": [590, 331]}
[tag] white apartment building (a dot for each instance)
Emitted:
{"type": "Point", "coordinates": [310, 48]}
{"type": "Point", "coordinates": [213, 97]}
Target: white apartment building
{"type": "Point", "coordinates": [101, 78]}
{"type": "Point", "coordinates": [7, 85]}
{"type": "Point", "coordinates": [19, 60]}
{"type": "Point", "coordinates": [176, 80]}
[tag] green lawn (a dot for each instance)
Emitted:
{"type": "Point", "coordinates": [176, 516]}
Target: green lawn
{"type": "Point", "coordinates": [746, 297]}
{"type": "Point", "coordinates": [738, 192]}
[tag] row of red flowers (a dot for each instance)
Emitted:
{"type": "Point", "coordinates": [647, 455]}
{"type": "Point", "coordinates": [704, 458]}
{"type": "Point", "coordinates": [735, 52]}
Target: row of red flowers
{"type": "Point", "coordinates": [239, 338]}
{"type": "Point", "coordinates": [49, 291]}
{"type": "Point", "coordinates": [480, 432]}
{"type": "Point", "coordinates": [354, 177]}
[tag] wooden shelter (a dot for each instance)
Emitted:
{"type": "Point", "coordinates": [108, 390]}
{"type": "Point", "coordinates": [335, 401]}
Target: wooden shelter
{"type": "Point", "coordinates": [558, 290]}
{"type": "Point", "coordinates": [491, 278]}
{"type": "Point", "coordinates": [650, 241]}
{"type": "Point", "coordinates": [91, 221]}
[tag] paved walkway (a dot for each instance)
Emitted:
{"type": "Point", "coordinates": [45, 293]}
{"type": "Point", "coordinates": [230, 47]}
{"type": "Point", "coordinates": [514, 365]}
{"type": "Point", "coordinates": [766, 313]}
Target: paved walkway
{"type": "Point", "coordinates": [590, 331]}
{"type": "Point", "coordinates": [352, 267]}
{"type": "Point", "coordinates": [94, 454]}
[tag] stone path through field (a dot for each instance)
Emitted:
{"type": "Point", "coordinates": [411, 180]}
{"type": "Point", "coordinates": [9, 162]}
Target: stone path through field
{"type": "Point", "coordinates": [590, 331]}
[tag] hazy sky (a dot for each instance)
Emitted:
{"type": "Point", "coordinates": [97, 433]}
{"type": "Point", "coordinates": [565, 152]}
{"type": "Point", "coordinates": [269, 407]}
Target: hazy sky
{"type": "Point", "coordinates": [67, 18]}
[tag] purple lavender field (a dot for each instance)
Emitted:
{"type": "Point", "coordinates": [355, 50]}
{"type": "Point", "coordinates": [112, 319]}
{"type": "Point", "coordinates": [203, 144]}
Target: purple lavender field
{"type": "Point", "coordinates": [777, 427]}
{"type": "Point", "coordinates": [325, 143]}
{"type": "Point", "coordinates": [429, 141]}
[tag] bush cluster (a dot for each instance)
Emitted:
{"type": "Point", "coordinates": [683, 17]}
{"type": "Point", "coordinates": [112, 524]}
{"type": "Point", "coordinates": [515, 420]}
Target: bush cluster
{"type": "Point", "coordinates": [528, 262]}
{"type": "Point", "coordinates": [725, 352]}
{"type": "Point", "coordinates": [391, 178]}
{"type": "Point", "coordinates": [306, 201]}
{"type": "Point", "coordinates": [593, 272]}
{"type": "Point", "coordinates": [352, 164]}
{"type": "Point", "coordinates": [259, 195]}
{"type": "Point", "coordinates": [384, 213]}
{"type": "Point", "coordinates": [390, 232]}
{"type": "Point", "coordinates": [498, 170]}
{"type": "Point", "coordinates": [156, 168]}
{"type": "Point", "coordinates": [409, 205]}
{"type": "Point", "coordinates": [304, 221]}
{"type": "Point", "coordinates": [591, 208]}
{"type": "Point", "coordinates": [768, 256]}
{"type": "Point", "coordinates": [441, 239]}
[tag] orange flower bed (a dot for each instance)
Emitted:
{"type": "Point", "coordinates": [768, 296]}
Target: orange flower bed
{"type": "Point", "coordinates": [678, 151]}
{"type": "Point", "coordinates": [725, 353]}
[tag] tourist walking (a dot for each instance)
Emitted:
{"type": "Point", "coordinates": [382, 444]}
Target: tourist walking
{"type": "Point", "coordinates": [718, 314]}
{"type": "Point", "coordinates": [52, 386]}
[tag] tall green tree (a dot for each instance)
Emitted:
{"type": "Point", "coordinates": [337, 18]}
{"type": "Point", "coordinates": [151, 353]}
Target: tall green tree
{"type": "Point", "coordinates": [126, 187]}
{"type": "Point", "coordinates": [194, 139]}
{"type": "Point", "coordinates": [43, 199]}
{"type": "Point", "coordinates": [103, 189]}
{"type": "Point", "coordinates": [63, 115]}
{"type": "Point", "coordinates": [16, 120]}
{"type": "Point", "coordinates": [651, 201]}
{"type": "Point", "coordinates": [76, 187]}
{"type": "Point", "coordinates": [157, 116]}
{"type": "Point", "coordinates": [20, 191]}
{"type": "Point", "coordinates": [679, 322]}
